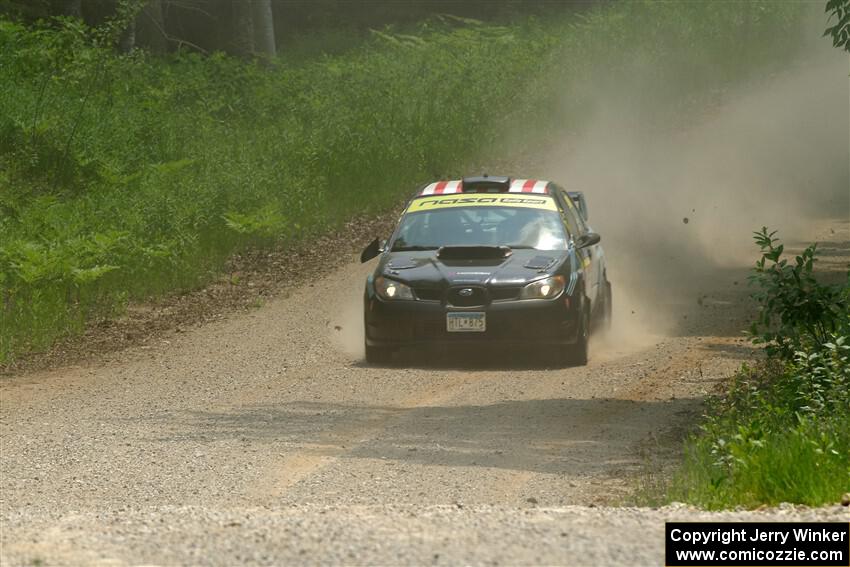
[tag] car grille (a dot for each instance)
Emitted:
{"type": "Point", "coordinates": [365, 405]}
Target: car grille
{"type": "Point", "coordinates": [480, 296]}
{"type": "Point", "coordinates": [429, 293]}
{"type": "Point", "coordinates": [467, 296]}
{"type": "Point", "coordinates": [504, 293]}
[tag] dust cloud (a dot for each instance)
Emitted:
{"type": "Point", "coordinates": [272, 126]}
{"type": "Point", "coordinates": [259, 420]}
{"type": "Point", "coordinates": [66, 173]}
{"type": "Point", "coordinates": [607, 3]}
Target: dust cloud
{"type": "Point", "coordinates": [676, 201]}
{"type": "Point", "coordinates": [676, 205]}
{"type": "Point", "coordinates": [346, 321]}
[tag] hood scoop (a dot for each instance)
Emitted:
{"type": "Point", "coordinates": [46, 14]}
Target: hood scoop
{"type": "Point", "coordinates": [539, 263]}
{"type": "Point", "coordinates": [473, 252]}
{"type": "Point", "coordinates": [402, 264]}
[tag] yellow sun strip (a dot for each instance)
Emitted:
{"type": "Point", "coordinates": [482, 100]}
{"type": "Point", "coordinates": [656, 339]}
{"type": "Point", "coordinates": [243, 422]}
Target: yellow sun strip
{"type": "Point", "coordinates": [486, 200]}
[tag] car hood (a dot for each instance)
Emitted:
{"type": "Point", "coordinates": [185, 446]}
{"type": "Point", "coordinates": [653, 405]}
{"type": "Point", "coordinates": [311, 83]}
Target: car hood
{"type": "Point", "coordinates": [428, 270]}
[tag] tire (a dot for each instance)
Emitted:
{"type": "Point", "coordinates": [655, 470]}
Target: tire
{"type": "Point", "coordinates": [577, 354]}
{"type": "Point", "coordinates": [608, 308]}
{"type": "Point", "coordinates": [378, 355]}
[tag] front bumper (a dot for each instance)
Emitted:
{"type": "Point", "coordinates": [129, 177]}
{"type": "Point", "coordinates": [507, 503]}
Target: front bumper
{"type": "Point", "coordinates": [531, 322]}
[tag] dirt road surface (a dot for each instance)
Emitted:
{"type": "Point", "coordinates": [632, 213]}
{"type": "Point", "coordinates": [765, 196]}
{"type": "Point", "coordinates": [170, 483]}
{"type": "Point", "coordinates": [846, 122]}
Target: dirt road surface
{"type": "Point", "coordinates": [266, 439]}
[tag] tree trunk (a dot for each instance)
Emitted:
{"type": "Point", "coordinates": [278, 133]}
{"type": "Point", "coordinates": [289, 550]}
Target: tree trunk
{"type": "Point", "coordinates": [152, 27]}
{"type": "Point", "coordinates": [264, 43]}
{"type": "Point", "coordinates": [128, 38]}
{"type": "Point", "coordinates": [73, 8]}
{"type": "Point", "coordinates": [243, 27]}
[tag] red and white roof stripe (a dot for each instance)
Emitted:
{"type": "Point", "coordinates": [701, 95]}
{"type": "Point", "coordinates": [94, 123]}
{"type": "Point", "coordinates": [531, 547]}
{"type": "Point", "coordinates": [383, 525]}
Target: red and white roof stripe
{"type": "Point", "coordinates": [443, 188]}
{"type": "Point", "coordinates": [528, 186]}
{"type": "Point", "coordinates": [456, 186]}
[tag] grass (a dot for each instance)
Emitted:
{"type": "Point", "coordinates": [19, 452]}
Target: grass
{"type": "Point", "coordinates": [766, 455]}
{"type": "Point", "coordinates": [126, 176]}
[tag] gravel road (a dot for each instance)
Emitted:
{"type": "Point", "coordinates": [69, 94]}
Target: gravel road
{"type": "Point", "coordinates": [266, 439]}
{"type": "Point", "coordinates": [263, 437]}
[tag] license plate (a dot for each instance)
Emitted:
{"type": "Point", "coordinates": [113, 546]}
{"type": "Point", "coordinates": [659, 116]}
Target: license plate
{"type": "Point", "coordinates": [466, 322]}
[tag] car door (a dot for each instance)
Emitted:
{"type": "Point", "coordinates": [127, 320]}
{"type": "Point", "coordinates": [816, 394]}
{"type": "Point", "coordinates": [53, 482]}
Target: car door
{"type": "Point", "coordinates": [597, 253]}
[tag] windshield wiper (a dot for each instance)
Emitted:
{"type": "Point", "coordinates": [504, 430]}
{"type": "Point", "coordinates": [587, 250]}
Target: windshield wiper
{"type": "Point", "coordinates": [412, 248]}
{"type": "Point", "coordinates": [520, 247]}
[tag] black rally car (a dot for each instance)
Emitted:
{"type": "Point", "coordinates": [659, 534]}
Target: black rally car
{"type": "Point", "coordinates": [488, 260]}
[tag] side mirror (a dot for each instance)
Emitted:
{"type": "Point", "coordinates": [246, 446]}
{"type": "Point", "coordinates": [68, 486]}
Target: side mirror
{"type": "Point", "coordinates": [589, 239]}
{"type": "Point", "coordinates": [371, 251]}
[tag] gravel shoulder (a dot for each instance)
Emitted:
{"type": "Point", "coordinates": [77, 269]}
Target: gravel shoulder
{"type": "Point", "coordinates": [383, 535]}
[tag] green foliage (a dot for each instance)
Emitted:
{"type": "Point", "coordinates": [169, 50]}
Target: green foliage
{"type": "Point", "coordinates": [797, 312]}
{"type": "Point", "coordinates": [126, 176]}
{"type": "Point", "coordinates": [781, 431]}
{"type": "Point", "coordinates": [839, 15]}
{"type": "Point", "coordinates": [805, 462]}
{"type": "Point", "coordinates": [267, 221]}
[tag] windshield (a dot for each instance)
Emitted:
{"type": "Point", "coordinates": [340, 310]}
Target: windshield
{"type": "Point", "coordinates": [481, 226]}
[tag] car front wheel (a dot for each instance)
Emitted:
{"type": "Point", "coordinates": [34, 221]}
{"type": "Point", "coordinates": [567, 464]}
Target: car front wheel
{"type": "Point", "coordinates": [378, 355]}
{"type": "Point", "coordinates": [577, 354]}
{"type": "Point", "coordinates": [608, 308]}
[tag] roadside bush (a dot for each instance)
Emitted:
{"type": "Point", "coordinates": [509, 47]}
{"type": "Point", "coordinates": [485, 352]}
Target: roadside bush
{"type": "Point", "coordinates": [781, 431]}
{"type": "Point", "coordinates": [796, 312]}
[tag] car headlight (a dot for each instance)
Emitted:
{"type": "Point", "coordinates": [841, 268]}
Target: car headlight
{"type": "Point", "coordinates": [544, 289]}
{"type": "Point", "coordinates": [391, 289]}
